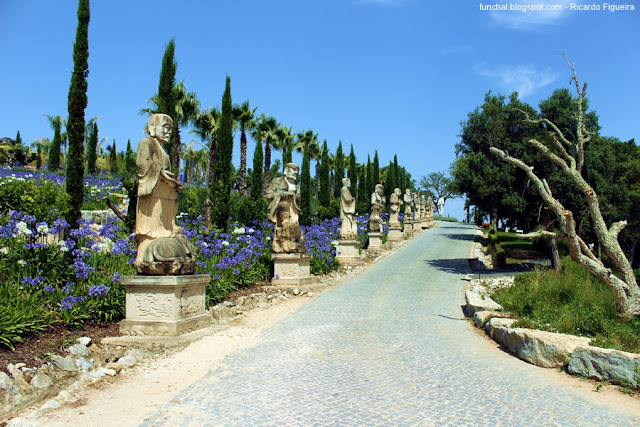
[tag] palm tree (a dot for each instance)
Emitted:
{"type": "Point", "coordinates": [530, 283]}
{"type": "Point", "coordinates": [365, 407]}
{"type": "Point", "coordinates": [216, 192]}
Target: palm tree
{"type": "Point", "coordinates": [41, 147]}
{"type": "Point", "coordinates": [205, 125]}
{"type": "Point", "coordinates": [245, 117]}
{"type": "Point", "coordinates": [266, 131]}
{"type": "Point", "coordinates": [285, 143]}
{"type": "Point", "coordinates": [185, 111]}
{"type": "Point", "coordinates": [309, 141]}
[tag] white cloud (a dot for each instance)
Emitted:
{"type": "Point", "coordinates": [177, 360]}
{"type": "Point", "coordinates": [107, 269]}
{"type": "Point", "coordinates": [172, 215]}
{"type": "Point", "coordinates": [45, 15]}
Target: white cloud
{"type": "Point", "coordinates": [524, 79]}
{"type": "Point", "coordinates": [531, 20]}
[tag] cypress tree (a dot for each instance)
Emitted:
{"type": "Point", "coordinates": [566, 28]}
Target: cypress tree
{"type": "Point", "coordinates": [166, 91]}
{"type": "Point", "coordinates": [257, 177]}
{"type": "Point", "coordinates": [53, 161]}
{"type": "Point", "coordinates": [75, 123]}
{"type": "Point", "coordinates": [221, 183]}
{"type": "Point", "coordinates": [370, 182]}
{"type": "Point", "coordinates": [130, 159]}
{"type": "Point", "coordinates": [361, 203]}
{"type": "Point", "coordinates": [92, 146]}
{"type": "Point", "coordinates": [305, 186]}
{"type": "Point", "coordinates": [324, 197]}
{"type": "Point", "coordinates": [391, 182]}
{"type": "Point", "coordinates": [39, 158]}
{"type": "Point", "coordinates": [352, 173]}
{"type": "Point", "coordinates": [130, 183]}
{"type": "Point", "coordinates": [113, 158]}
{"type": "Point", "coordinates": [339, 165]}
{"type": "Point", "coordinates": [18, 139]}
{"type": "Point", "coordinates": [376, 171]}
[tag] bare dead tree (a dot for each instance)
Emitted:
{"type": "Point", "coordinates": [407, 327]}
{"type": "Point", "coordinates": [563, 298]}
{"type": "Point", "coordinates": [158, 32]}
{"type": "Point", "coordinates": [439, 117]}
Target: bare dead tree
{"type": "Point", "coordinates": [569, 156]}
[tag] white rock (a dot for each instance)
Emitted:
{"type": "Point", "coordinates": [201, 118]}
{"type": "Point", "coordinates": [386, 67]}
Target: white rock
{"type": "Point", "coordinates": [110, 372]}
{"type": "Point", "coordinates": [496, 322]}
{"type": "Point", "coordinates": [84, 365]}
{"type": "Point", "coordinates": [84, 341]}
{"type": "Point", "coordinates": [50, 404]}
{"type": "Point", "coordinates": [63, 363]}
{"type": "Point", "coordinates": [478, 302]}
{"type": "Point", "coordinates": [127, 361]}
{"type": "Point", "coordinates": [23, 422]}
{"type": "Point", "coordinates": [41, 380]}
{"type": "Point", "coordinates": [79, 350]}
{"type": "Point", "coordinates": [605, 364]}
{"type": "Point", "coordinates": [296, 291]}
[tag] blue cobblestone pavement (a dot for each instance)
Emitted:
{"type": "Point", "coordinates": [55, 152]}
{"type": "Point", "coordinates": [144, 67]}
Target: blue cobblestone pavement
{"type": "Point", "coordinates": [389, 347]}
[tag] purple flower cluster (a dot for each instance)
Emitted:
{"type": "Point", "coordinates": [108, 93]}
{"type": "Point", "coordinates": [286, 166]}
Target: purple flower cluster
{"type": "Point", "coordinates": [98, 291]}
{"type": "Point", "coordinates": [69, 301]}
{"type": "Point", "coordinates": [318, 239]}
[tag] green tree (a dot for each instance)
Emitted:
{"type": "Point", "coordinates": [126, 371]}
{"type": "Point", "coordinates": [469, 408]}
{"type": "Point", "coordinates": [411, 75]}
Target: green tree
{"type": "Point", "coordinates": [130, 184]}
{"type": "Point", "coordinates": [206, 124]}
{"type": "Point", "coordinates": [339, 168]}
{"type": "Point", "coordinates": [285, 141]}
{"type": "Point", "coordinates": [76, 106]}
{"type": "Point", "coordinates": [92, 147]}
{"type": "Point", "coordinates": [53, 161]}
{"type": "Point", "coordinates": [305, 140]}
{"type": "Point", "coordinates": [18, 139]}
{"type": "Point", "coordinates": [256, 179]}
{"type": "Point", "coordinates": [165, 99]}
{"type": "Point", "coordinates": [376, 171]}
{"type": "Point", "coordinates": [352, 172]}
{"type": "Point", "coordinates": [245, 116]}
{"type": "Point", "coordinates": [438, 186]}
{"type": "Point", "coordinates": [222, 174]}
{"type": "Point", "coordinates": [324, 196]}
{"type": "Point", "coordinates": [267, 132]}
{"type": "Point", "coordinates": [113, 157]}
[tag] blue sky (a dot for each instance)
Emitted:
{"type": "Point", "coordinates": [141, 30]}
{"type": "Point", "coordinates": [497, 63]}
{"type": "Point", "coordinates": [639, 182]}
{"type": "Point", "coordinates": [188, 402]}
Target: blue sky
{"type": "Point", "coordinates": [397, 76]}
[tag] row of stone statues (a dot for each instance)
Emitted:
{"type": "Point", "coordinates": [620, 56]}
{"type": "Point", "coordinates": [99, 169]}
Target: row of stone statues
{"type": "Point", "coordinates": [164, 249]}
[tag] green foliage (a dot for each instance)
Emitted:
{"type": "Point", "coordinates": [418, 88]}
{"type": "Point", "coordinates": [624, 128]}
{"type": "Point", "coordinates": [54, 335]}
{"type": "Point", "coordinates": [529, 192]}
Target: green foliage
{"type": "Point", "coordinates": [247, 210]}
{"type": "Point", "coordinates": [571, 301]}
{"type": "Point", "coordinates": [498, 254]}
{"type": "Point", "coordinates": [75, 122]}
{"type": "Point", "coordinates": [166, 93]}
{"type": "Point", "coordinates": [113, 158]}
{"type": "Point", "coordinates": [375, 171]}
{"type": "Point", "coordinates": [339, 166]}
{"type": "Point", "coordinates": [46, 201]}
{"type": "Point", "coordinates": [54, 151]}
{"type": "Point", "coordinates": [445, 218]}
{"type": "Point", "coordinates": [92, 146]}
{"type": "Point", "coordinates": [19, 316]}
{"type": "Point", "coordinates": [305, 187]}
{"type": "Point", "coordinates": [192, 200]}
{"type": "Point", "coordinates": [324, 197]}
{"type": "Point", "coordinates": [352, 173]}
{"type": "Point", "coordinates": [256, 178]}
{"type": "Point", "coordinates": [221, 183]}
{"type": "Point", "coordinates": [330, 211]}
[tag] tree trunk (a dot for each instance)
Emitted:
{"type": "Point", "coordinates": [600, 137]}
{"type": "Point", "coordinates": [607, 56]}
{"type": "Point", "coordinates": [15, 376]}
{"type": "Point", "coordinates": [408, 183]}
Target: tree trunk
{"type": "Point", "coordinates": [556, 261]}
{"type": "Point", "coordinates": [494, 220]}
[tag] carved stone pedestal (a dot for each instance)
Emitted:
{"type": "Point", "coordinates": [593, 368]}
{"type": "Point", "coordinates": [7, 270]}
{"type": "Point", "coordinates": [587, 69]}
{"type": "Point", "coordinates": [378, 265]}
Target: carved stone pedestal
{"type": "Point", "coordinates": [375, 241]}
{"type": "Point", "coordinates": [408, 228]}
{"type": "Point", "coordinates": [348, 250]}
{"type": "Point", "coordinates": [395, 233]}
{"type": "Point", "coordinates": [164, 305]}
{"type": "Point", "coordinates": [291, 269]}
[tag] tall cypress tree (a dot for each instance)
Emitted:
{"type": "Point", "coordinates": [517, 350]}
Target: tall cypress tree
{"type": "Point", "coordinates": [53, 161]}
{"type": "Point", "coordinates": [130, 159]}
{"type": "Point", "coordinates": [92, 146]}
{"type": "Point", "coordinates": [18, 139]}
{"type": "Point", "coordinates": [352, 173]}
{"type": "Point", "coordinates": [113, 158]}
{"type": "Point", "coordinates": [221, 183]}
{"type": "Point", "coordinates": [339, 165]}
{"type": "Point", "coordinates": [370, 182]}
{"type": "Point", "coordinates": [391, 182]}
{"type": "Point", "coordinates": [257, 175]}
{"type": "Point", "coordinates": [75, 123]}
{"type": "Point", "coordinates": [361, 198]}
{"type": "Point", "coordinates": [130, 183]}
{"type": "Point", "coordinates": [305, 186]}
{"type": "Point", "coordinates": [376, 171]}
{"type": "Point", "coordinates": [166, 91]}
{"type": "Point", "coordinates": [324, 197]}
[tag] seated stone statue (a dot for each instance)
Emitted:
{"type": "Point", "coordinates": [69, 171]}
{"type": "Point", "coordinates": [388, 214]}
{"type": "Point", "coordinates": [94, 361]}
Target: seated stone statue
{"type": "Point", "coordinates": [283, 195]}
{"type": "Point", "coordinates": [163, 249]}
{"type": "Point", "coordinates": [377, 206]}
{"type": "Point", "coordinates": [394, 208]}
{"type": "Point", "coordinates": [349, 229]}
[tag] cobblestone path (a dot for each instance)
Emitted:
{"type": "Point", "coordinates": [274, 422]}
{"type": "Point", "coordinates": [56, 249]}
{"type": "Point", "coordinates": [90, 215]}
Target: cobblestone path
{"type": "Point", "coordinates": [387, 348]}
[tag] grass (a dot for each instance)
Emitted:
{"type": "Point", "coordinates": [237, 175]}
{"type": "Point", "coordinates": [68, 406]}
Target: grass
{"type": "Point", "coordinates": [510, 241]}
{"type": "Point", "coordinates": [571, 301]}
{"type": "Point", "coordinates": [445, 218]}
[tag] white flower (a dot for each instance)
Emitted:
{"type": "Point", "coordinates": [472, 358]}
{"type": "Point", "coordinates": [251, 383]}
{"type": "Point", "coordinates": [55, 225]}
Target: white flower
{"type": "Point", "coordinates": [334, 243]}
{"type": "Point", "coordinates": [225, 243]}
{"type": "Point", "coordinates": [251, 231]}
{"type": "Point", "coordinates": [23, 228]}
{"type": "Point", "coordinates": [43, 229]}
{"type": "Point", "coordinates": [22, 262]}
{"type": "Point", "coordinates": [4, 251]}
{"type": "Point", "coordinates": [239, 230]}
{"type": "Point", "coordinates": [268, 238]}
{"type": "Point", "coordinates": [63, 246]}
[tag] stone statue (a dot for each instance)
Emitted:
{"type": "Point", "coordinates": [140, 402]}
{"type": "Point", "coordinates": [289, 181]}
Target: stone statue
{"type": "Point", "coordinates": [377, 206]}
{"type": "Point", "coordinates": [441, 206]}
{"type": "Point", "coordinates": [407, 205]}
{"type": "Point", "coordinates": [283, 195]}
{"type": "Point", "coordinates": [416, 203]}
{"type": "Point", "coordinates": [349, 229]}
{"type": "Point", "coordinates": [430, 205]}
{"type": "Point", "coordinates": [423, 205]}
{"type": "Point", "coordinates": [163, 249]}
{"type": "Point", "coordinates": [394, 208]}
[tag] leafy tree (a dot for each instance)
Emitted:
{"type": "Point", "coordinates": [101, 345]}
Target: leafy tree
{"type": "Point", "coordinates": [267, 132]}
{"type": "Point", "coordinates": [18, 139]}
{"type": "Point", "coordinates": [285, 140]}
{"type": "Point", "coordinates": [130, 184]}
{"type": "Point", "coordinates": [438, 186]}
{"type": "Point", "coordinates": [369, 184]}
{"type": "Point", "coordinates": [76, 107]}
{"type": "Point", "coordinates": [304, 142]}
{"type": "Point", "coordinates": [113, 157]}
{"type": "Point", "coordinates": [376, 171]}
{"type": "Point", "coordinates": [339, 165]}
{"type": "Point", "coordinates": [165, 99]}
{"type": "Point", "coordinates": [361, 193]}
{"type": "Point", "coordinates": [92, 147]}
{"type": "Point", "coordinates": [221, 184]}
{"type": "Point", "coordinates": [569, 156]}
{"type": "Point", "coordinates": [245, 116]}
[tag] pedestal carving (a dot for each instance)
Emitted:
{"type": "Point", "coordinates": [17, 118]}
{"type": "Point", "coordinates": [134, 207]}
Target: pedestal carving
{"type": "Point", "coordinates": [375, 241]}
{"type": "Point", "coordinates": [349, 250]}
{"type": "Point", "coordinates": [291, 269]}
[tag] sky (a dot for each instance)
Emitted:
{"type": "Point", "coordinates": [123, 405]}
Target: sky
{"type": "Point", "coordinates": [396, 76]}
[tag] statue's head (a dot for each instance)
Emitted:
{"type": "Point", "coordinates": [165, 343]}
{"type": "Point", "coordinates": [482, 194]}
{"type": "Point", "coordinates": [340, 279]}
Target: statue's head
{"type": "Point", "coordinates": [379, 189]}
{"type": "Point", "coordinates": [291, 171]}
{"type": "Point", "coordinates": [424, 199]}
{"type": "Point", "coordinates": [397, 191]}
{"type": "Point", "coordinates": [160, 127]}
{"type": "Point", "coordinates": [408, 191]}
{"type": "Point", "coordinates": [346, 182]}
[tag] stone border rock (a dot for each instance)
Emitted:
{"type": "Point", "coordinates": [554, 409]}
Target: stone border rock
{"type": "Point", "coordinates": [550, 349]}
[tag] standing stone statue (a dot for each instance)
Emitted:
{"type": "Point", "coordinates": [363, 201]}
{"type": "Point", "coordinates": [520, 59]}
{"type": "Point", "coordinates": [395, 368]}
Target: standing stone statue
{"type": "Point", "coordinates": [407, 205]}
{"type": "Point", "coordinates": [416, 203]}
{"type": "Point", "coordinates": [163, 249]}
{"type": "Point", "coordinates": [423, 206]}
{"type": "Point", "coordinates": [394, 208]}
{"type": "Point", "coordinates": [377, 206]}
{"type": "Point", "coordinates": [430, 206]}
{"type": "Point", "coordinates": [441, 206]}
{"type": "Point", "coordinates": [283, 195]}
{"type": "Point", "coordinates": [349, 228]}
